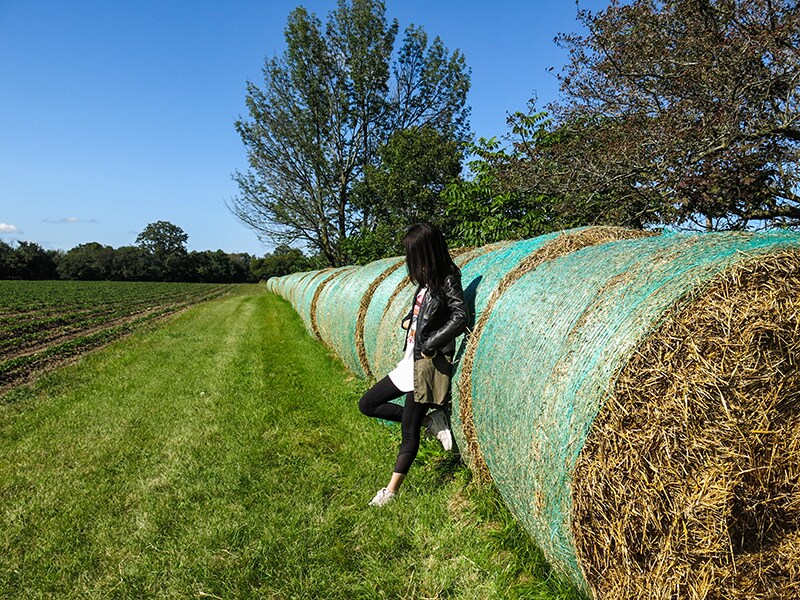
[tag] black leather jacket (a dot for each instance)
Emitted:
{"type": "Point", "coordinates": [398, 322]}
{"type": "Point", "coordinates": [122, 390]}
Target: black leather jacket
{"type": "Point", "coordinates": [441, 319]}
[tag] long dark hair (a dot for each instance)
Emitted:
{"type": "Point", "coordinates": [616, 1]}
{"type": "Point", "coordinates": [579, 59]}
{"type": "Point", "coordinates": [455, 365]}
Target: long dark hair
{"type": "Point", "coordinates": [427, 257]}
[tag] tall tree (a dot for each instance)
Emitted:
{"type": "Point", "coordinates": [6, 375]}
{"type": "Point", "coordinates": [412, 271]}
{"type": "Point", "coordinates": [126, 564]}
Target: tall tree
{"type": "Point", "coordinates": [404, 187]}
{"type": "Point", "coordinates": [132, 263]}
{"type": "Point", "coordinates": [282, 261]}
{"type": "Point", "coordinates": [683, 111]}
{"type": "Point", "coordinates": [30, 261]}
{"type": "Point", "coordinates": [482, 210]}
{"type": "Point", "coordinates": [166, 245]}
{"type": "Point", "coordinates": [6, 260]}
{"type": "Point", "coordinates": [326, 105]}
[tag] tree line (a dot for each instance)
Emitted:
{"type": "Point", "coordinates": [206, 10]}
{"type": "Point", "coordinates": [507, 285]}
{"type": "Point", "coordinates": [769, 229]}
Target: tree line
{"type": "Point", "coordinates": [160, 254]}
{"type": "Point", "coordinates": [681, 114]}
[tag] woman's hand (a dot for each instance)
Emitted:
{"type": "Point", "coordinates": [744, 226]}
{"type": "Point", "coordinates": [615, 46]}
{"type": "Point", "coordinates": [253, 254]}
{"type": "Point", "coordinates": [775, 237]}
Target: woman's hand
{"type": "Point", "coordinates": [406, 324]}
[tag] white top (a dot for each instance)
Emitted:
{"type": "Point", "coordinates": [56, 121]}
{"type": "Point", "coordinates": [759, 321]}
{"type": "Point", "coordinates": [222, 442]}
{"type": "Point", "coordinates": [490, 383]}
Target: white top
{"type": "Point", "coordinates": [403, 374]}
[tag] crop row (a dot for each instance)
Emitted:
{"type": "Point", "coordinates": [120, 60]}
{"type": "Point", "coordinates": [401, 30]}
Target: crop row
{"type": "Point", "coordinates": [46, 323]}
{"type": "Point", "coordinates": [22, 297]}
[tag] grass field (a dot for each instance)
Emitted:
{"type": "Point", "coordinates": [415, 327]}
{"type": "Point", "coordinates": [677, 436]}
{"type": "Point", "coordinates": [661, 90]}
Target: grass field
{"type": "Point", "coordinates": [222, 455]}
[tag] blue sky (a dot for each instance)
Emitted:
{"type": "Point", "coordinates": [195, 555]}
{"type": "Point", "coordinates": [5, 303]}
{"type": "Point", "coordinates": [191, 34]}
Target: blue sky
{"type": "Point", "coordinates": [116, 114]}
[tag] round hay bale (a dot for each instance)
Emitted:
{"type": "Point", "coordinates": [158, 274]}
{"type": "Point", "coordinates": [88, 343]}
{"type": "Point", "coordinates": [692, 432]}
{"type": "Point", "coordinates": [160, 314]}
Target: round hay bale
{"type": "Point", "coordinates": [551, 351]}
{"type": "Point", "coordinates": [279, 284]}
{"type": "Point", "coordinates": [363, 308]}
{"type": "Point", "coordinates": [384, 291]}
{"type": "Point", "coordinates": [287, 282]}
{"type": "Point", "coordinates": [339, 307]}
{"type": "Point", "coordinates": [485, 279]}
{"type": "Point", "coordinates": [695, 456]}
{"type": "Point", "coordinates": [306, 296]}
{"type": "Point", "coordinates": [272, 285]}
{"type": "Point", "coordinates": [330, 276]}
{"type": "Point", "coordinates": [298, 285]}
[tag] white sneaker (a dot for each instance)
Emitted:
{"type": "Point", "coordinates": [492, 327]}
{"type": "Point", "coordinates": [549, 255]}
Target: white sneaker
{"type": "Point", "coordinates": [446, 438]}
{"type": "Point", "coordinates": [383, 497]}
{"type": "Point", "coordinates": [439, 428]}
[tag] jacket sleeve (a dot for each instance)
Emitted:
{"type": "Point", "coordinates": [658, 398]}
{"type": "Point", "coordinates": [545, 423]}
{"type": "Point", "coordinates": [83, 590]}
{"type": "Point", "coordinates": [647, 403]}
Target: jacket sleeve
{"type": "Point", "coordinates": [456, 323]}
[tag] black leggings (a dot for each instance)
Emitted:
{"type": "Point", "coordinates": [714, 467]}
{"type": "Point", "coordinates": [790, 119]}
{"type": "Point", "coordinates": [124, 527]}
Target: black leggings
{"type": "Point", "coordinates": [375, 403]}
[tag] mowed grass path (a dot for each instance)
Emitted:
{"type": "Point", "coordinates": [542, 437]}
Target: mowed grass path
{"type": "Point", "coordinates": [222, 455]}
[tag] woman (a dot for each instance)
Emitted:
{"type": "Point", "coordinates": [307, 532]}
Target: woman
{"type": "Point", "coordinates": [437, 316]}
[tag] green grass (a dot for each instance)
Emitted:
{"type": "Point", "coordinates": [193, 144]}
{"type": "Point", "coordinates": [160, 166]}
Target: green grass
{"type": "Point", "coordinates": [222, 455]}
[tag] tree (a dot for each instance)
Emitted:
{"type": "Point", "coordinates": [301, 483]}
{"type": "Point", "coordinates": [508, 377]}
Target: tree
{"type": "Point", "coordinates": [403, 188]}
{"type": "Point", "coordinates": [482, 211]}
{"type": "Point", "coordinates": [6, 254]}
{"type": "Point", "coordinates": [326, 106]}
{"type": "Point", "coordinates": [682, 111]}
{"type": "Point", "coordinates": [218, 267]}
{"type": "Point", "coordinates": [30, 261]}
{"type": "Point", "coordinates": [162, 238]}
{"type": "Point", "coordinates": [282, 261]}
{"type": "Point", "coordinates": [165, 243]}
{"type": "Point", "coordinates": [132, 263]}
{"type": "Point", "coordinates": [91, 261]}
{"type": "Point", "coordinates": [549, 166]}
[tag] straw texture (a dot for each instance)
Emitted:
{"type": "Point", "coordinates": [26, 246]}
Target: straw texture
{"type": "Point", "coordinates": [694, 457]}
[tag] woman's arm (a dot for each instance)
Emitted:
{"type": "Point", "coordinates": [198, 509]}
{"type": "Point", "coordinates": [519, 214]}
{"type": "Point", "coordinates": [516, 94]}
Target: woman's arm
{"type": "Point", "coordinates": [406, 322]}
{"type": "Point", "coordinates": [455, 324]}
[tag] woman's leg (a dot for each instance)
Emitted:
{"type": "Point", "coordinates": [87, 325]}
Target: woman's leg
{"type": "Point", "coordinates": [375, 401]}
{"type": "Point", "coordinates": [413, 413]}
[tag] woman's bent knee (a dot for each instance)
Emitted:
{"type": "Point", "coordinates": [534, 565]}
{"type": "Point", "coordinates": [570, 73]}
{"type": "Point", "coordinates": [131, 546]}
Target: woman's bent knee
{"type": "Point", "coordinates": [365, 406]}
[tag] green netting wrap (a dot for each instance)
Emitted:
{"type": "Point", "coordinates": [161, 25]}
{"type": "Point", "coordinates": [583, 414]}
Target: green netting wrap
{"type": "Point", "coordinates": [319, 289]}
{"type": "Point", "coordinates": [479, 278]}
{"type": "Point", "coordinates": [390, 334]}
{"type": "Point", "coordinates": [395, 265]}
{"type": "Point", "coordinates": [305, 297]}
{"type": "Point", "coordinates": [298, 286]}
{"type": "Point", "coordinates": [339, 306]}
{"type": "Point", "coordinates": [573, 324]}
{"type": "Point", "coordinates": [384, 291]}
{"type": "Point", "coordinates": [635, 401]}
{"type": "Point", "coordinates": [485, 280]}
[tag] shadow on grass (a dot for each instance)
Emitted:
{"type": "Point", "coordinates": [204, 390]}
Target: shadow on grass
{"type": "Point", "coordinates": [527, 572]}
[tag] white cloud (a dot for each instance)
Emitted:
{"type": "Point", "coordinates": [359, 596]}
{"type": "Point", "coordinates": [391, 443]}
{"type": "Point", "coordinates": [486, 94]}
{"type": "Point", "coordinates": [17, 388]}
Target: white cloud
{"type": "Point", "coordinates": [71, 220]}
{"type": "Point", "coordinates": [7, 228]}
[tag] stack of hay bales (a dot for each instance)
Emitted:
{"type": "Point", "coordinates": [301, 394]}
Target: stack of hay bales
{"type": "Point", "coordinates": [635, 401]}
{"type": "Point", "coordinates": [339, 306]}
